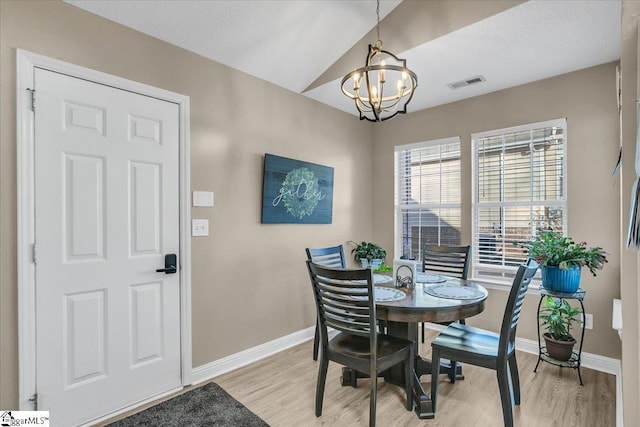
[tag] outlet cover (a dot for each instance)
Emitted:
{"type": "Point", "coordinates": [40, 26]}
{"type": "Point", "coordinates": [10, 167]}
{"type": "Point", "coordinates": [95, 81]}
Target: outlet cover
{"type": "Point", "coordinates": [199, 227]}
{"type": "Point", "coordinates": [203, 198]}
{"type": "Point", "coordinates": [588, 321]}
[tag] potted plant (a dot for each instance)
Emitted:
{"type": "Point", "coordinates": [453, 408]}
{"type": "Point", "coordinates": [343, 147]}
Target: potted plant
{"type": "Point", "coordinates": [561, 260]}
{"type": "Point", "coordinates": [369, 255]}
{"type": "Point", "coordinates": [558, 316]}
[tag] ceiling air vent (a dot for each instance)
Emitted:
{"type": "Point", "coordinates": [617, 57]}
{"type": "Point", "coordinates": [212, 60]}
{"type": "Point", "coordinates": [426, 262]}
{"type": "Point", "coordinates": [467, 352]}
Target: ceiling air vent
{"type": "Point", "coordinates": [467, 82]}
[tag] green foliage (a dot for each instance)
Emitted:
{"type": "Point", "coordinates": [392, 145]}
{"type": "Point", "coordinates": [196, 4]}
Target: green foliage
{"type": "Point", "coordinates": [558, 316]}
{"type": "Point", "coordinates": [551, 248]}
{"type": "Point", "coordinates": [300, 205]}
{"type": "Point", "coordinates": [367, 250]}
{"type": "Point", "coordinates": [384, 268]}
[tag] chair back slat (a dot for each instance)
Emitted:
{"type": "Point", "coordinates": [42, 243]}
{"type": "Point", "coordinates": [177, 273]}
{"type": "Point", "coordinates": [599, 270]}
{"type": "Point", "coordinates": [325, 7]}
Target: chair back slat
{"type": "Point", "coordinates": [514, 306]}
{"type": "Point", "coordinates": [328, 257]}
{"type": "Point", "coordinates": [344, 300]}
{"type": "Point", "coordinates": [447, 260]}
{"type": "Point", "coordinates": [516, 312]}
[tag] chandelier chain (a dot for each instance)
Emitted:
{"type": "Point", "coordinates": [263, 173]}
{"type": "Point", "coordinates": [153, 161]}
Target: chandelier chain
{"type": "Point", "coordinates": [378, 16]}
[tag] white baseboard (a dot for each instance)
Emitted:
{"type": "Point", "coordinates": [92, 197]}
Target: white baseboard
{"type": "Point", "coordinates": [222, 366]}
{"type": "Point", "coordinates": [238, 360]}
{"type": "Point", "coordinates": [588, 360]}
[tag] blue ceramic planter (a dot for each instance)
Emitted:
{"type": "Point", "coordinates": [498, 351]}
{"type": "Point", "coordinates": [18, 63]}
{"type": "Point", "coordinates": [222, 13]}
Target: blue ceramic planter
{"type": "Point", "coordinates": [374, 264]}
{"type": "Point", "coordinates": [559, 280]}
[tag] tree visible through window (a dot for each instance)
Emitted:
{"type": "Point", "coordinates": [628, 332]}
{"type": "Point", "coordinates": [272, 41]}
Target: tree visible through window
{"type": "Point", "coordinates": [427, 202]}
{"type": "Point", "coordinates": [519, 188]}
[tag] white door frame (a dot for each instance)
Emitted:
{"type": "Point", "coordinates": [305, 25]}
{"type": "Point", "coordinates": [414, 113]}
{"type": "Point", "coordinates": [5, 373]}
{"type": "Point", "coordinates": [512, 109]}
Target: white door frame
{"type": "Point", "coordinates": [26, 63]}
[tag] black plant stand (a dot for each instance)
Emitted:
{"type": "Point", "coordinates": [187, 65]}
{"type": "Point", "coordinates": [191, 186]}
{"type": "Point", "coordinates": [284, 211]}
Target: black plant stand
{"type": "Point", "coordinates": [543, 355]}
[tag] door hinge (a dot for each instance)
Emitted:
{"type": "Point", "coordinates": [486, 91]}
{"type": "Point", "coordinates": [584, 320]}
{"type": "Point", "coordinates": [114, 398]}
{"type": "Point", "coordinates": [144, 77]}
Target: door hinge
{"type": "Point", "coordinates": [33, 99]}
{"type": "Point", "coordinates": [34, 401]}
{"type": "Point", "coordinates": [33, 253]}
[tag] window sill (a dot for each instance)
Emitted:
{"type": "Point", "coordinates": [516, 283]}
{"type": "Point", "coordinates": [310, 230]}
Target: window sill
{"type": "Point", "coordinates": [534, 287]}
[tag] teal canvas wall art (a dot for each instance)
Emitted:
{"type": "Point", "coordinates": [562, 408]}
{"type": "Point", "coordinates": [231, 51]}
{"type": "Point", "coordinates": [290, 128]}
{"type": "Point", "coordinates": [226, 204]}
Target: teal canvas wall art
{"type": "Point", "coordinates": [296, 192]}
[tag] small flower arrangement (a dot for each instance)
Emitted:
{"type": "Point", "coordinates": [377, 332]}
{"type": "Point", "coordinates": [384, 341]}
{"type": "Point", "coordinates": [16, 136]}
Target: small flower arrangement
{"type": "Point", "coordinates": [550, 248]}
{"type": "Point", "coordinates": [384, 268]}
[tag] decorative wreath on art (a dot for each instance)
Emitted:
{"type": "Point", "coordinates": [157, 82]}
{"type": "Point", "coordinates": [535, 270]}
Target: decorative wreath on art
{"type": "Point", "coordinates": [300, 204]}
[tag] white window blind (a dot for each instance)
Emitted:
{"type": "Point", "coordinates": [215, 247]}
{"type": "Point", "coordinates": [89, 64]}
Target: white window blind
{"type": "Point", "coordinates": [519, 187]}
{"type": "Point", "coordinates": [427, 196]}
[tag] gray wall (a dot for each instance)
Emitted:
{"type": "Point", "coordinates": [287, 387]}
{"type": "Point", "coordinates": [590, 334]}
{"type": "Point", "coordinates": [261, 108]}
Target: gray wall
{"type": "Point", "coordinates": [629, 262]}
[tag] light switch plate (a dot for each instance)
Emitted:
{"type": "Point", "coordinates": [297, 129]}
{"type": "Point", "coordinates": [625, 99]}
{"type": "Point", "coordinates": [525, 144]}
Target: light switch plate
{"type": "Point", "coordinates": [203, 198]}
{"type": "Point", "coordinates": [199, 227]}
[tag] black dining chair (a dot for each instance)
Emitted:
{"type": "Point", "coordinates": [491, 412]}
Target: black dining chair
{"type": "Point", "coordinates": [487, 349]}
{"type": "Point", "coordinates": [452, 261]}
{"type": "Point", "coordinates": [328, 257]}
{"type": "Point", "coordinates": [345, 301]}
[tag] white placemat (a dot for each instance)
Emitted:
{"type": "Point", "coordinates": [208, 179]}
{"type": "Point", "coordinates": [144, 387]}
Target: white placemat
{"type": "Point", "coordinates": [388, 294]}
{"type": "Point", "coordinates": [430, 278]}
{"type": "Point", "coordinates": [453, 292]}
{"type": "Point", "coordinates": [381, 278]}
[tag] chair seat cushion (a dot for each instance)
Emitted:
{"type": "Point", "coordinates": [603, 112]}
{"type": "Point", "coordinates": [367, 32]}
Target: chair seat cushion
{"type": "Point", "coordinates": [358, 347]}
{"type": "Point", "coordinates": [467, 339]}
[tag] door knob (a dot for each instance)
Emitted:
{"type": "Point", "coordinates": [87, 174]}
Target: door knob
{"type": "Point", "coordinates": [170, 263]}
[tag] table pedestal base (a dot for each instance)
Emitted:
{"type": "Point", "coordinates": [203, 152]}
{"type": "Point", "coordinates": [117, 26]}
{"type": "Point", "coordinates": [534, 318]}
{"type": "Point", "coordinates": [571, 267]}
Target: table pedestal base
{"type": "Point", "coordinates": [395, 375]}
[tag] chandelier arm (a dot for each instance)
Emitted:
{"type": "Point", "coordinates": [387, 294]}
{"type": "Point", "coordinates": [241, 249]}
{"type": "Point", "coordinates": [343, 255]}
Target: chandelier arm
{"type": "Point", "coordinates": [370, 98]}
{"type": "Point", "coordinates": [363, 107]}
{"type": "Point", "coordinates": [361, 100]}
{"type": "Point", "coordinates": [414, 84]}
{"type": "Point", "coordinates": [393, 105]}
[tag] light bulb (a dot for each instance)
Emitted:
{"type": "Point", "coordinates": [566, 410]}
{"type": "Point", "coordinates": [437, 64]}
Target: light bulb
{"type": "Point", "coordinates": [356, 81]}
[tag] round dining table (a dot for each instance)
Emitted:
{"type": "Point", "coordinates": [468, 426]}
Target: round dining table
{"type": "Point", "coordinates": [448, 300]}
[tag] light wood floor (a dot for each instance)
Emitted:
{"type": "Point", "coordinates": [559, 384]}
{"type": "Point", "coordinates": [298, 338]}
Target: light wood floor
{"type": "Point", "coordinates": [281, 390]}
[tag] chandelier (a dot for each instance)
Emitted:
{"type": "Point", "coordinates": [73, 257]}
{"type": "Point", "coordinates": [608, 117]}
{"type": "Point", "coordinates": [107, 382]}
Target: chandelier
{"type": "Point", "coordinates": [366, 85]}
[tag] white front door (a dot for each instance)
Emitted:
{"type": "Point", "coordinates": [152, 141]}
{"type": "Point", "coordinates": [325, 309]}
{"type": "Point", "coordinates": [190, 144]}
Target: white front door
{"type": "Point", "coordinates": [106, 214]}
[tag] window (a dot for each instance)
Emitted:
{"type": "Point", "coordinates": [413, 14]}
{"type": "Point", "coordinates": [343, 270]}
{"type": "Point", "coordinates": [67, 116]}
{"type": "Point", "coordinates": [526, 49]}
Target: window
{"type": "Point", "coordinates": [427, 196]}
{"type": "Point", "coordinates": [519, 187]}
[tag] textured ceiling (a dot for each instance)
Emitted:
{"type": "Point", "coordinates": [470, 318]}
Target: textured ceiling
{"type": "Point", "coordinates": [296, 43]}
